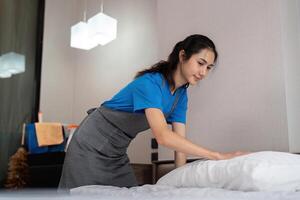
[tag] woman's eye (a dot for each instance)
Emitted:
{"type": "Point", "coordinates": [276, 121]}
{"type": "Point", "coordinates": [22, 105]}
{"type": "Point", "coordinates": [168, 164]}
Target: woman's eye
{"type": "Point", "coordinates": [201, 63]}
{"type": "Point", "coordinates": [208, 68]}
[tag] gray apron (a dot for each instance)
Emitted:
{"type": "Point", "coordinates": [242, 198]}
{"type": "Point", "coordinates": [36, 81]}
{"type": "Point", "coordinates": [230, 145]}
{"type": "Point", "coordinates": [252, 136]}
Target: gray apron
{"type": "Point", "coordinates": [97, 154]}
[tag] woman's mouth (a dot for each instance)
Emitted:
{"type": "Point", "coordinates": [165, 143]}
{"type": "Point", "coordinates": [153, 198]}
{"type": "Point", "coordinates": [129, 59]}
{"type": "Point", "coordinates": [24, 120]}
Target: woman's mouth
{"type": "Point", "coordinates": [197, 78]}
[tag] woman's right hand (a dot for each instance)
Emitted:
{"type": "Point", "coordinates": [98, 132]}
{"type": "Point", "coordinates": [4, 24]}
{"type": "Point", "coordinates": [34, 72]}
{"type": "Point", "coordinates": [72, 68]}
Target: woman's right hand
{"type": "Point", "coordinates": [225, 156]}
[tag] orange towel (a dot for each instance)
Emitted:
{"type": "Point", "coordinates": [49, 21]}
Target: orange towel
{"type": "Point", "coordinates": [49, 134]}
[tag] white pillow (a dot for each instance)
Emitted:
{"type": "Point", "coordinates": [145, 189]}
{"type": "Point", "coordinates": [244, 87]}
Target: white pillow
{"type": "Point", "coordinates": [261, 171]}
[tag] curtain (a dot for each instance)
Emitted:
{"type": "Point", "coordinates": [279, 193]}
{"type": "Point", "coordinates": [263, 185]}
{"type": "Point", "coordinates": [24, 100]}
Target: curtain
{"type": "Point", "coordinates": [21, 24]}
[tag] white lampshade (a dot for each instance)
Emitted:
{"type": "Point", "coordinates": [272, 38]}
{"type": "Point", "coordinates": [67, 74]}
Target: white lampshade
{"type": "Point", "coordinates": [103, 28]}
{"type": "Point", "coordinates": [80, 37]}
{"type": "Point", "coordinates": [5, 74]}
{"type": "Point", "coordinates": [11, 63]}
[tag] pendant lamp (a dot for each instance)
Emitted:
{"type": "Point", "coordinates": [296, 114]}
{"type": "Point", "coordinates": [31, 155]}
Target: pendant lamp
{"type": "Point", "coordinates": [99, 29]}
{"type": "Point", "coordinates": [11, 63]}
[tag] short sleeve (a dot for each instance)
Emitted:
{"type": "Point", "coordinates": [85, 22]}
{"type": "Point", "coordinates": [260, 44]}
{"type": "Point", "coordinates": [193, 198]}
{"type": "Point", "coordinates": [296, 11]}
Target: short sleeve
{"type": "Point", "coordinates": [147, 94]}
{"type": "Point", "coordinates": [179, 113]}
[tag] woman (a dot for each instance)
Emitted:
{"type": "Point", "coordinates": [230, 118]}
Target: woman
{"type": "Point", "coordinates": [157, 96]}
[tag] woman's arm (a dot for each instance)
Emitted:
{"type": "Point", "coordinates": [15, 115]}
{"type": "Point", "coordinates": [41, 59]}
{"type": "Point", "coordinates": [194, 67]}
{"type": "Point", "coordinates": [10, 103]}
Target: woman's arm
{"type": "Point", "coordinates": [180, 158]}
{"type": "Point", "coordinates": [167, 138]}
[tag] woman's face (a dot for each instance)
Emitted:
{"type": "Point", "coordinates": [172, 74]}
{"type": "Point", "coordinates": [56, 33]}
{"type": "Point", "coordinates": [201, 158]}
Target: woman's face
{"type": "Point", "coordinates": [197, 67]}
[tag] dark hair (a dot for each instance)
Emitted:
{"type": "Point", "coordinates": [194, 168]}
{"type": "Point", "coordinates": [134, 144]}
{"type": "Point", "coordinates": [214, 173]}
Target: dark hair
{"type": "Point", "coordinates": [191, 45]}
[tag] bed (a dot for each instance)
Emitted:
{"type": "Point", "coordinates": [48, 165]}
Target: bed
{"type": "Point", "coordinates": [261, 175]}
{"type": "Point", "coordinates": [150, 192]}
{"type": "Point", "coordinates": [170, 192]}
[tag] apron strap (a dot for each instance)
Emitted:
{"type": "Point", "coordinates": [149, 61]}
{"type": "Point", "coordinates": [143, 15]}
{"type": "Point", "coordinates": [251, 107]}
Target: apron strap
{"type": "Point", "coordinates": [174, 104]}
{"type": "Point", "coordinates": [90, 110]}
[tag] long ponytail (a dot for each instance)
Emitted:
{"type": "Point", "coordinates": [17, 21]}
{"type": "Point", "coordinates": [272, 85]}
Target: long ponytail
{"type": "Point", "coordinates": [191, 45]}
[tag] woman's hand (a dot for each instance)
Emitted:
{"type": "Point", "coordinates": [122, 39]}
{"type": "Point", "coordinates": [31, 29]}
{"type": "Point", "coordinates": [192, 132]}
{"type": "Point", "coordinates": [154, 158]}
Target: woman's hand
{"type": "Point", "coordinates": [225, 156]}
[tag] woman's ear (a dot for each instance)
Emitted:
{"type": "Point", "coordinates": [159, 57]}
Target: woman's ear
{"type": "Point", "coordinates": [181, 55]}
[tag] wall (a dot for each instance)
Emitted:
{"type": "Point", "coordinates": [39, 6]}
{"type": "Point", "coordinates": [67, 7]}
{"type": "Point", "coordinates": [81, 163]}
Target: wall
{"type": "Point", "coordinates": [241, 105]}
{"type": "Point", "coordinates": [290, 29]}
{"type": "Point", "coordinates": [103, 71]}
{"type": "Point", "coordinates": [249, 102]}
{"type": "Point", "coordinates": [75, 80]}
{"type": "Point", "coordinates": [58, 63]}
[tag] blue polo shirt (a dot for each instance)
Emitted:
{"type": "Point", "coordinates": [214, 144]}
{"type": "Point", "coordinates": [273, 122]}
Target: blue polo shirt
{"type": "Point", "coordinates": [151, 90]}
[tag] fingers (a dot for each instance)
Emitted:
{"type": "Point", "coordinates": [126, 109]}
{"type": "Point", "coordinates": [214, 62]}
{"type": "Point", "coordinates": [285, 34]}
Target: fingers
{"type": "Point", "coordinates": [234, 154]}
{"type": "Point", "coordinates": [225, 156]}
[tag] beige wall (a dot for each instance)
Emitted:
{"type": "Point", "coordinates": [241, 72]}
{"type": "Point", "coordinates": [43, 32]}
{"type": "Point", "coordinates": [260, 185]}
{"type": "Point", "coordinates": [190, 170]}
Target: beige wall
{"type": "Point", "coordinates": [240, 106]}
{"type": "Point", "coordinates": [57, 84]}
{"type": "Point", "coordinates": [290, 29]}
{"type": "Point", "coordinates": [75, 80]}
{"type": "Point", "coordinates": [103, 71]}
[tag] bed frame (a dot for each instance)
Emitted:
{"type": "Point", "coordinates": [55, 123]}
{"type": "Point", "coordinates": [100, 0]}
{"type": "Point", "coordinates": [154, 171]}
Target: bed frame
{"type": "Point", "coordinates": [162, 167]}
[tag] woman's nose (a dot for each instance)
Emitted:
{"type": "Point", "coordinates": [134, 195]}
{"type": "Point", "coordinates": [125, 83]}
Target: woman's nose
{"type": "Point", "coordinates": [203, 71]}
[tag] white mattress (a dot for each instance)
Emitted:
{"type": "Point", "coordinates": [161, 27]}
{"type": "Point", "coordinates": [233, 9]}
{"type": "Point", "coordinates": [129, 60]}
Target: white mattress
{"type": "Point", "coordinates": [170, 193]}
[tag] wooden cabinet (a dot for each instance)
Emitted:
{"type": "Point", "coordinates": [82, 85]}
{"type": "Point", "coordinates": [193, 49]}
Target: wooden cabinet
{"type": "Point", "coordinates": [45, 170]}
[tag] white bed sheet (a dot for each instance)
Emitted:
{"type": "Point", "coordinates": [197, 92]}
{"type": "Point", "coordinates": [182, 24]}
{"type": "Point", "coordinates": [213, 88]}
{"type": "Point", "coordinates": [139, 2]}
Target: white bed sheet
{"type": "Point", "coordinates": [169, 192]}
